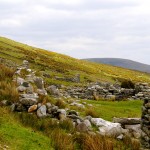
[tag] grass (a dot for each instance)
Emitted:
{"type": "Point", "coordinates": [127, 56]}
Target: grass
{"type": "Point", "coordinates": [58, 65]}
{"type": "Point", "coordinates": [107, 109]}
{"type": "Point", "coordinates": [24, 131]}
{"type": "Point", "coordinates": [18, 137]}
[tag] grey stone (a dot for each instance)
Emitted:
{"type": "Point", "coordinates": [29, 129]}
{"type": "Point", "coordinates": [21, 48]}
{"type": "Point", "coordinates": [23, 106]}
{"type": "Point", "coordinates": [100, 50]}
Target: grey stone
{"type": "Point", "coordinates": [62, 111]}
{"type": "Point", "coordinates": [87, 123]}
{"type": "Point", "coordinates": [34, 96]}
{"type": "Point", "coordinates": [120, 137]}
{"type": "Point", "coordinates": [19, 80]}
{"type": "Point", "coordinates": [48, 105]}
{"type": "Point", "coordinates": [41, 112]}
{"type": "Point", "coordinates": [12, 107]}
{"type": "Point", "coordinates": [39, 105]}
{"type": "Point", "coordinates": [28, 101]}
{"type": "Point", "coordinates": [42, 92]}
{"type": "Point", "coordinates": [71, 112]}
{"type": "Point", "coordinates": [82, 127]}
{"type": "Point", "coordinates": [53, 90]}
{"type": "Point", "coordinates": [21, 88]}
{"type": "Point", "coordinates": [39, 82]}
{"type": "Point", "coordinates": [54, 109]}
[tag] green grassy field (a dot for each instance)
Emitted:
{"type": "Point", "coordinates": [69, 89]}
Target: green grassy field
{"type": "Point", "coordinates": [107, 110]}
{"type": "Point", "coordinates": [18, 137]}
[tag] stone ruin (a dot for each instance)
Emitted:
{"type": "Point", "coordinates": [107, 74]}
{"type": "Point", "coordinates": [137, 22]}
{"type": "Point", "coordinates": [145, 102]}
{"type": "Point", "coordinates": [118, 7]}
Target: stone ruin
{"type": "Point", "coordinates": [145, 120]}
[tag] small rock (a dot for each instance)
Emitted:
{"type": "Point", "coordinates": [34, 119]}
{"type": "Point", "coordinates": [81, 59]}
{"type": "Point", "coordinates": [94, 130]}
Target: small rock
{"type": "Point", "coordinates": [41, 112]}
{"type": "Point", "coordinates": [21, 88]}
{"type": "Point", "coordinates": [41, 91]}
{"type": "Point", "coordinates": [12, 107]}
{"type": "Point", "coordinates": [88, 123]}
{"type": "Point", "coordinates": [82, 127]}
{"type": "Point", "coordinates": [120, 137]}
{"type": "Point", "coordinates": [28, 101]}
{"type": "Point", "coordinates": [39, 82]}
{"type": "Point", "coordinates": [71, 112]}
{"type": "Point", "coordinates": [32, 108]}
{"type": "Point", "coordinates": [48, 105]}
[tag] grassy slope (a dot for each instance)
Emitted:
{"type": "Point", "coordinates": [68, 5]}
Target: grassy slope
{"type": "Point", "coordinates": [62, 65]}
{"type": "Point", "coordinates": [17, 137]}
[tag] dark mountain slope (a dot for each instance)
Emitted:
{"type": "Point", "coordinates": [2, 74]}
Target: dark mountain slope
{"type": "Point", "coordinates": [125, 63]}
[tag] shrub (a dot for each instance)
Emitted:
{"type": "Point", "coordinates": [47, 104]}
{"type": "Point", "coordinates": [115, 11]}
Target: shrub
{"type": "Point", "coordinates": [127, 84]}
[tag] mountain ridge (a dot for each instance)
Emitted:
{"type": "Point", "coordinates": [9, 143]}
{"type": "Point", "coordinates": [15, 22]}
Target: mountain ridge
{"type": "Point", "coordinates": [121, 62]}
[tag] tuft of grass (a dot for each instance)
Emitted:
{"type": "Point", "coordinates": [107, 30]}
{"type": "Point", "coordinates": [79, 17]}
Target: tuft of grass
{"type": "Point", "coordinates": [135, 144]}
{"type": "Point", "coordinates": [94, 142]}
{"type": "Point", "coordinates": [67, 125]}
{"type": "Point", "coordinates": [91, 112]}
{"type": "Point", "coordinates": [60, 103]}
{"type": "Point", "coordinates": [6, 72]}
{"type": "Point", "coordinates": [8, 91]}
{"type": "Point", "coordinates": [62, 140]}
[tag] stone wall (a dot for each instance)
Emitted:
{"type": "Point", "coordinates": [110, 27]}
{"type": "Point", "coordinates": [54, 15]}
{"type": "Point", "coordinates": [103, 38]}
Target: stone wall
{"type": "Point", "coordinates": [145, 124]}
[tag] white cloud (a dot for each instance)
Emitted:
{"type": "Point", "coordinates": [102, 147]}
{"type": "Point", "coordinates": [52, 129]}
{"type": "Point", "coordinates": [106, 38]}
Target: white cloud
{"type": "Point", "coordinates": [10, 23]}
{"type": "Point", "coordinates": [80, 28]}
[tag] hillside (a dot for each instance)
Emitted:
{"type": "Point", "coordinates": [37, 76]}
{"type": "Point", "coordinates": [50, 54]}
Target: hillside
{"type": "Point", "coordinates": [46, 104]}
{"type": "Point", "coordinates": [61, 65]}
{"type": "Point", "coordinates": [125, 63]}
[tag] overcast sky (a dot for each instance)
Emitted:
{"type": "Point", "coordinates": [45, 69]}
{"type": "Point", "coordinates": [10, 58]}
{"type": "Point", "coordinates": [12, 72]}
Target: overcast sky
{"type": "Point", "coordinates": [80, 28]}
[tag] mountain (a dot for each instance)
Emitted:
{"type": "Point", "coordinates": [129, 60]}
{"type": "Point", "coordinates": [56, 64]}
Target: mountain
{"type": "Point", "coordinates": [60, 65]}
{"type": "Point", "coordinates": [125, 63]}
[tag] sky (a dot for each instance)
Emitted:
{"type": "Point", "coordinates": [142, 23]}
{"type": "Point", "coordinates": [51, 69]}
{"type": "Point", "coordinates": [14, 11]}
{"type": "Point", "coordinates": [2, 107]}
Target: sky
{"type": "Point", "coordinates": [80, 28]}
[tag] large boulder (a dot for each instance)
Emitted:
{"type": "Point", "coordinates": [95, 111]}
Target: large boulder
{"type": "Point", "coordinates": [127, 121]}
{"type": "Point", "coordinates": [107, 128]}
{"type": "Point", "coordinates": [41, 112]}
